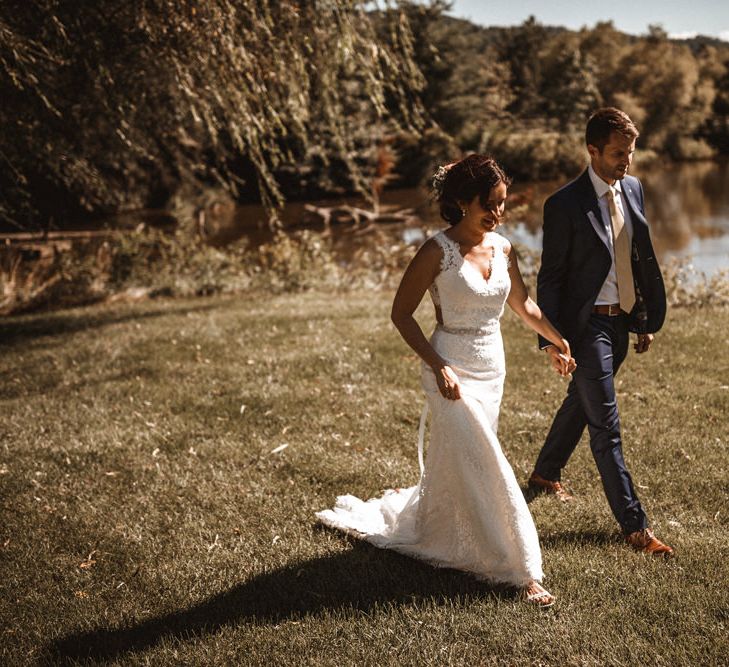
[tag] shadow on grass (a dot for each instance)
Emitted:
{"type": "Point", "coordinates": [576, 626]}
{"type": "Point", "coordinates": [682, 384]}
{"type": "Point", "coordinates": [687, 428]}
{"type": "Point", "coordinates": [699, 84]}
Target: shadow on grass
{"type": "Point", "coordinates": [598, 538]}
{"type": "Point", "coordinates": [355, 580]}
{"type": "Point", "coordinates": [27, 327]}
{"type": "Point", "coordinates": [529, 493]}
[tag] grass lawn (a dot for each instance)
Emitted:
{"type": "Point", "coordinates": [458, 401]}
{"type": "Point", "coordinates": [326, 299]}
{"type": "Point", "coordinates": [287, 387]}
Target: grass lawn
{"type": "Point", "coordinates": [146, 518]}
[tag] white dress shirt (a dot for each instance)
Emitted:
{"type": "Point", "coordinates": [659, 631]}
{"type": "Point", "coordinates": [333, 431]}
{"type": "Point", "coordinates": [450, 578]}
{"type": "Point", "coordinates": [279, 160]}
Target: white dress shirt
{"type": "Point", "coordinates": [609, 292]}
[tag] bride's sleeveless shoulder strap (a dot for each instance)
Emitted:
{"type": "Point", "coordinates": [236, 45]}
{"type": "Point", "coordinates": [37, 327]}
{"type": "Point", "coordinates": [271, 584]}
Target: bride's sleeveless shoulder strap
{"type": "Point", "coordinates": [504, 246]}
{"type": "Point", "coordinates": [450, 251]}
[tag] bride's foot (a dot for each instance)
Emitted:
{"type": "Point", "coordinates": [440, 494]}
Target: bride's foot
{"type": "Point", "coordinates": [536, 594]}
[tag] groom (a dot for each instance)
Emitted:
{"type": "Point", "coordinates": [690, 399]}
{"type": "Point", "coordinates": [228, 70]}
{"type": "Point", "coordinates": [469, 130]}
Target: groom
{"type": "Point", "coordinates": [599, 280]}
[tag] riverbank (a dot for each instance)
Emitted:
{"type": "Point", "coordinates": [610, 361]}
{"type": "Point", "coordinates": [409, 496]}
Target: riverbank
{"type": "Point", "coordinates": [164, 459]}
{"type": "Point", "coordinates": [149, 263]}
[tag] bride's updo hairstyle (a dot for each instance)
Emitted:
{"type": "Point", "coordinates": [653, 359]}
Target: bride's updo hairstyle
{"type": "Point", "coordinates": [473, 176]}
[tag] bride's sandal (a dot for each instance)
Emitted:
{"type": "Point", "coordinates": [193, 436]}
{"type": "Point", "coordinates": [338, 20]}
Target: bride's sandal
{"type": "Point", "coordinates": [536, 594]}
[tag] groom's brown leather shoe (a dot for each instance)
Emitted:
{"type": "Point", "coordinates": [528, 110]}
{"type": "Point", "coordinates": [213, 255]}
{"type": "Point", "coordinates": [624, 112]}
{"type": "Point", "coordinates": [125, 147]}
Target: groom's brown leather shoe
{"type": "Point", "coordinates": [645, 541]}
{"type": "Point", "coordinates": [538, 483]}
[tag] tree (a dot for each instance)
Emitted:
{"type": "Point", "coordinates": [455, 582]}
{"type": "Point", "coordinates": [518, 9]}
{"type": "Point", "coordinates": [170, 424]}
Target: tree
{"type": "Point", "coordinates": [113, 104]}
{"type": "Point", "coordinates": [665, 78]}
{"type": "Point", "coordinates": [569, 90]}
{"type": "Point", "coordinates": [716, 127]}
{"type": "Point", "coordinates": [521, 48]}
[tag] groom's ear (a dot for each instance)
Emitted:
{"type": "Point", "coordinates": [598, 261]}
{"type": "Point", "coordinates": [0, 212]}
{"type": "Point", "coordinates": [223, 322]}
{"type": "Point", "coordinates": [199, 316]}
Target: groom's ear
{"type": "Point", "coordinates": [594, 151]}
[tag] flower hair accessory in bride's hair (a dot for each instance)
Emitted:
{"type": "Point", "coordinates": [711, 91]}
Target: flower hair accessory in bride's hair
{"type": "Point", "coordinates": [457, 183]}
{"type": "Point", "coordinates": [436, 185]}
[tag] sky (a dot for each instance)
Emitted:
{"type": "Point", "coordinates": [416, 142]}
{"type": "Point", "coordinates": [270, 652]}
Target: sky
{"type": "Point", "coordinates": [684, 18]}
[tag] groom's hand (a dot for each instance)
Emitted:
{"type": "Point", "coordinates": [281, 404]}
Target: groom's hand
{"type": "Point", "coordinates": [643, 343]}
{"type": "Point", "coordinates": [563, 363]}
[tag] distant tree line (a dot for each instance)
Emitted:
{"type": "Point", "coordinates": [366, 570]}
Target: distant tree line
{"type": "Point", "coordinates": [524, 93]}
{"type": "Point", "coordinates": [113, 105]}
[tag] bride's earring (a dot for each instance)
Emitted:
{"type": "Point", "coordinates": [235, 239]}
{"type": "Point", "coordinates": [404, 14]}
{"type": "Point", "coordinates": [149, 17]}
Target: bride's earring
{"type": "Point", "coordinates": [463, 211]}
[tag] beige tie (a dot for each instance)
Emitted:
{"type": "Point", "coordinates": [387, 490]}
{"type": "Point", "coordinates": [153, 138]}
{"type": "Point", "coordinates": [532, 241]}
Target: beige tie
{"type": "Point", "coordinates": [621, 247]}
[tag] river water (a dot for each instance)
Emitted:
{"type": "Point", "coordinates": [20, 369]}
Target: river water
{"type": "Point", "coordinates": [687, 206]}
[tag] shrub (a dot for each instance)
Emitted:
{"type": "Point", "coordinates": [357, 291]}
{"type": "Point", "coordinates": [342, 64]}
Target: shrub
{"type": "Point", "coordinates": [148, 263]}
{"type": "Point", "coordinates": [536, 153]}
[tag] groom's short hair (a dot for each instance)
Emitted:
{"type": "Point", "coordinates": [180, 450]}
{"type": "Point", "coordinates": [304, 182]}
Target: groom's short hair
{"type": "Point", "coordinates": [605, 121]}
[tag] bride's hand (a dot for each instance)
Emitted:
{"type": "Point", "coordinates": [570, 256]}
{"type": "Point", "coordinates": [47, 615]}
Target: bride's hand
{"type": "Point", "coordinates": [570, 363]}
{"type": "Point", "coordinates": [561, 358]}
{"type": "Point", "coordinates": [448, 383]}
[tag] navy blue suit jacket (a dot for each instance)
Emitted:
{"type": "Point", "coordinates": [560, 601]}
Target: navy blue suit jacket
{"type": "Point", "coordinates": [576, 260]}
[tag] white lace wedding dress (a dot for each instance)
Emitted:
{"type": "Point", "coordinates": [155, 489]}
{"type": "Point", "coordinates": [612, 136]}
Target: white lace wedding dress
{"type": "Point", "coordinates": [467, 512]}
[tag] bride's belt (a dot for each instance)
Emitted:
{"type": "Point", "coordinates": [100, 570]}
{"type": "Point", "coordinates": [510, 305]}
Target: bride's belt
{"type": "Point", "coordinates": [475, 353]}
{"type": "Point", "coordinates": [486, 330]}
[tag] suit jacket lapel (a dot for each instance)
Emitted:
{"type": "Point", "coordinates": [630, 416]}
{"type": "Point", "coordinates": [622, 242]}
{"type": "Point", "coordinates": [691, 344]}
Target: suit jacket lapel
{"type": "Point", "coordinates": [630, 198]}
{"type": "Point", "coordinates": [588, 202]}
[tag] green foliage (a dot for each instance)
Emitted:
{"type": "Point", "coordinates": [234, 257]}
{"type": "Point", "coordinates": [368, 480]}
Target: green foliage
{"type": "Point", "coordinates": [536, 152]}
{"type": "Point", "coordinates": [544, 82]}
{"type": "Point", "coordinates": [570, 86]}
{"type": "Point", "coordinates": [716, 126]}
{"type": "Point", "coordinates": [115, 105]}
{"type": "Point", "coordinates": [148, 263]}
{"type": "Point", "coordinates": [466, 84]}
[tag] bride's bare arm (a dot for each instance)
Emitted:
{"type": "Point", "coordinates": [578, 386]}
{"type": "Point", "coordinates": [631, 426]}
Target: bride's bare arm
{"type": "Point", "coordinates": [523, 305]}
{"type": "Point", "coordinates": [419, 275]}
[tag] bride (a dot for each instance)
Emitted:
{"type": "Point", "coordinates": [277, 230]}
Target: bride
{"type": "Point", "coordinates": [467, 512]}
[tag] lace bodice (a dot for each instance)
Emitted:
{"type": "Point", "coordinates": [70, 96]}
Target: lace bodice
{"type": "Point", "coordinates": [468, 301]}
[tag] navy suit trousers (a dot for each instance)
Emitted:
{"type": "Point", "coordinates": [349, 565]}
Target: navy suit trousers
{"type": "Point", "coordinates": [591, 402]}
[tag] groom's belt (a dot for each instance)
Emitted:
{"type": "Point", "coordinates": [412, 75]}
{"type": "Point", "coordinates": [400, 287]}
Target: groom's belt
{"type": "Point", "coordinates": [611, 309]}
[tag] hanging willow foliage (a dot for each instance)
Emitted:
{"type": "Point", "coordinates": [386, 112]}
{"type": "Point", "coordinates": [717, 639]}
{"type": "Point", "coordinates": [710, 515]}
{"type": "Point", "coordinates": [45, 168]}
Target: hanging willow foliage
{"type": "Point", "coordinates": [116, 104]}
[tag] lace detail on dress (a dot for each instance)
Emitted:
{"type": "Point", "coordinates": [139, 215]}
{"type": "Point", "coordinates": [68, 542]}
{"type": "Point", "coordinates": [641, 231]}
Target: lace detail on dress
{"type": "Point", "coordinates": [467, 300]}
{"type": "Point", "coordinates": [451, 252]}
{"type": "Point", "coordinates": [467, 512]}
